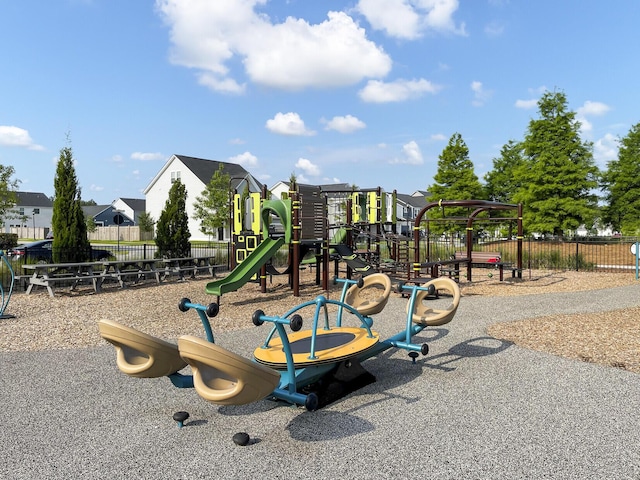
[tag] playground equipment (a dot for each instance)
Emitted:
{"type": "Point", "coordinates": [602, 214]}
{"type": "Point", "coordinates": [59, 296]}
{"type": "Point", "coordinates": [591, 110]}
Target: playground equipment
{"type": "Point", "coordinates": [311, 367]}
{"type": "Point", "coordinates": [5, 298]}
{"type": "Point", "coordinates": [476, 207]}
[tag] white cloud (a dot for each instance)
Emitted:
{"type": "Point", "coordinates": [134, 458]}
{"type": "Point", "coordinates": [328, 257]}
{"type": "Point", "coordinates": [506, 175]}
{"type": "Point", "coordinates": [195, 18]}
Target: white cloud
{"type": "Point", "coordinates": [288, 124]}
{"type": "Point", "coordinates": [438, 137]}
{"type": "Point", "coordinates": [590, 109]}
{"type": "Point", "coordinates": [606, 149]}
{"type": "Point", "coordinates": [307, 167]}
{"type": "Point", "coordinates": [237, 141]}
{"type": "Point", "coordinates": [345, 124]}
{"type": "Point", "coordinates": [245, 159]}
{"type": "Point", "coordinates": [494, 29]}
{"type": "Point", "coordinates": [96, 188]}
{"type": "Point", "coordinates": [532, 103]}
{"type": "Point", "coordinates": [526, 104]}
{"type": "Point", "coordinates": [410, 19]}
{"type": "Point", "coordinates": [593, 108]}
{"type": "Point", "coordinates": [400, 90]}
{"type": "Point", "coordinates": [147, 157]}
{"type": "Point", "coordinates": [11, 136]}
{"type": "Point", "coordinates": [411, 155]}
{"type": "Point", "coordinates": [480, 95]}
{"type": "Point", "coordinates": [209, 36]}
{"type": "Point", "coordinates": [117, 159]}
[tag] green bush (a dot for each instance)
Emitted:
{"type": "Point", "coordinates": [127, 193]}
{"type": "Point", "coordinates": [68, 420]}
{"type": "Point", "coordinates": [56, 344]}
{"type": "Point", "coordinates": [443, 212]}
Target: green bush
{"type": "Point", "coordinates": [8, 240]}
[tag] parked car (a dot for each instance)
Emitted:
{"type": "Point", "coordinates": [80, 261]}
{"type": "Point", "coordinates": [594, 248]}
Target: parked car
{"type": "Point", "coordinates": [42, 251]}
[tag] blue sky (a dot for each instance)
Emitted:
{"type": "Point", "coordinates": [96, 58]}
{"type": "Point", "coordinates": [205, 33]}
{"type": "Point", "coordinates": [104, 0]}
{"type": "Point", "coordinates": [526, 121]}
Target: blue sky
{"type": "Point", "coordinates": [366, 92]}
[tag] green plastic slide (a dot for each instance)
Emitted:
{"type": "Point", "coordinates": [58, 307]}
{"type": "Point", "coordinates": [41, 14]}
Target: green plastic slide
{"type": "Point", "coordinates": [247, 269]}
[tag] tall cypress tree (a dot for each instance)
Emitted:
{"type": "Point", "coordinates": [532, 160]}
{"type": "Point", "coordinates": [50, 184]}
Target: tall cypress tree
{"type": "Point", "coordinates": [621, 182]}
{"type": "Point", "coordinates": [559, 175]}
{"type": "Point", "coordinates": [172, 229]}
{"type": "Point", "coordinates": [70, 242]}
{"type": "Point", "coordinates": [455, 180]}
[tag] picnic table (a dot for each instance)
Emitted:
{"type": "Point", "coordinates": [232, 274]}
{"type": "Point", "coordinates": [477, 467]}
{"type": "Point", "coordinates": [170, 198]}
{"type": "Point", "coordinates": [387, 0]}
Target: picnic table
{"type": "Point", "coordinates": [127, 270]}
{"type": "Point", "coordinates": [49, 274]}
{"type": "Point", "coordinates": [190, 265]}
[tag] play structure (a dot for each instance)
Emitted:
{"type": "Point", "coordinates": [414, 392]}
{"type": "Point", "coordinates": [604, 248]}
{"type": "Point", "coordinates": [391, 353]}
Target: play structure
{"type": "Point", "coordinates": [469, 257]}
{"type": "Point", "coordinates": [6, 296]}
{"type": "Point", "coordinates": [262, 227]}
{"type": "Point", "coordinates": [310, 362]}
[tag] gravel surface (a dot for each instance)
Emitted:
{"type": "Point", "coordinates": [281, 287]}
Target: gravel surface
{"type": "Point", "coordinates": [476, 407]}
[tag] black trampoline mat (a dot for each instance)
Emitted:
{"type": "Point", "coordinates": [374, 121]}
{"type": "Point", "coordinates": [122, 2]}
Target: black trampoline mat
{"type": "Point", "coordinates": [323, 342]}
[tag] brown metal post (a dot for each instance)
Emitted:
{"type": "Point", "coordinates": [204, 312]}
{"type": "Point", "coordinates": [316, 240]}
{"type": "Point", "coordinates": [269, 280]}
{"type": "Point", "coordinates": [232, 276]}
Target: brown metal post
{"type": "Point", "coordinates": [520, 237]}
{"type": "Point", "coordinates": [296, 205]}
{"type": "Point", "coordinates": [325, 246]}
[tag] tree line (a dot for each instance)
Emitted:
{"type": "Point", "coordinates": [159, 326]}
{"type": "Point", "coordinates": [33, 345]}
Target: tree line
{"type": "Point", "coordinates": [552, 173]}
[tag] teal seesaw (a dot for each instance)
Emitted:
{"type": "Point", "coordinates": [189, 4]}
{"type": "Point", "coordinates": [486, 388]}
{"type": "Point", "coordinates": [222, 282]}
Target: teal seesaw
{"type": "Point", "coordinates": [309, 367]}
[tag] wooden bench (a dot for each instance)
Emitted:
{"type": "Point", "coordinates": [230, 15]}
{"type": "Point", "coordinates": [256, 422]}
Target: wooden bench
{"type": "Point", "coordinates": [484, 260]}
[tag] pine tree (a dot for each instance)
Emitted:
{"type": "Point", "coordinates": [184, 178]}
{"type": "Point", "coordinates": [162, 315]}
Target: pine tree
{"type": "Point", "coordinates": [212, 205]}
{"type": "Point", "coordinates": [558, 178]}
{"type": "Point", "coordinates": [172, 232]}
{"type": "Point", "coordinates": [455, 180]}
{"type": "Point", "coordinates": [621, 182]}
{"type": "Point", "coordinates": [8, 187]}
{"type": "Point", "coordinates": [70, 242]}
{"type": "Point", "coordinates": [501, 183]}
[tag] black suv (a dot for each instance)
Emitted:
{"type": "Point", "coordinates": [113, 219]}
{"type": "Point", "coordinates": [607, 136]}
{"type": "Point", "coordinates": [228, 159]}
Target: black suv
{"type": "Point", "coordinates": [42, 251]}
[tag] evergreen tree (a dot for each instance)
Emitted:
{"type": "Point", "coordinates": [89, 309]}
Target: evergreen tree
{"type": "Point", "coordinates": [455, 180]}
{"type": "Point", "coordinates": [501, 183]}
{"type": "Point", "coordinates": [146, 222]}
{"type": "Point", "coordinates": [172, 232]}
{"type": "Point", "coordinates": [621, 182]}
{"type": "Point", "coordinates": [559, 175]}
{"type": "Point", "coordinates": [8, 188]}
{"type": "Point", "coordinates": [212, 205]}
{"type": "Point", "coordinates": [70, 242]}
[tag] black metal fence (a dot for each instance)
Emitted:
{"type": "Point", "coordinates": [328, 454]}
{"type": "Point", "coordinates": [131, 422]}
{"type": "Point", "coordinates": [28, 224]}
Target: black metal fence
{"type": "Point", "coordinates": [611, 254]}
{"type": "Point", "coordinates": [588, 254]}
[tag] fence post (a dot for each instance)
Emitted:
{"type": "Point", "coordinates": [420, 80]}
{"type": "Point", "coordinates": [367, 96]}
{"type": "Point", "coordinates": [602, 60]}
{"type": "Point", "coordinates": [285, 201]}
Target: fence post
{"type": "Point", "coordinates": [577, 254]}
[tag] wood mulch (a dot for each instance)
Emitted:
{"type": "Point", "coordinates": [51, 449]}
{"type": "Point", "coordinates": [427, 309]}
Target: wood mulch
{"type": "Point", "coordinates": [69, 320]}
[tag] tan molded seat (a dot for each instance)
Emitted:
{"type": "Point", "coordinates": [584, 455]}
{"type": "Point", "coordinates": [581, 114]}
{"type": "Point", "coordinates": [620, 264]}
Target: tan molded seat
{"type": "Point", "coordinates": [139, 354]}
{"type": "Point", "coordinates": [424, 315]}
{"type": "Point", "coordinates": [223, 377]}
{"type": "Point", "coordinates": [363, 298]}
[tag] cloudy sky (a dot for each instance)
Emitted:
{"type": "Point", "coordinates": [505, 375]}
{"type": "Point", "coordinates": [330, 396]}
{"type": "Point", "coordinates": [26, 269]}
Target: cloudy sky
{"type": "Point", "coordinates": [363, 91]}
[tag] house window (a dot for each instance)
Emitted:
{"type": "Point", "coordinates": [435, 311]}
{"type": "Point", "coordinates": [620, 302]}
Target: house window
{"type": "Point", "coordinates": [36, 211]}
{"type": "Point", "coordinates": [21, 211]}
{"type": "Point", "coordinates": [175, 176]}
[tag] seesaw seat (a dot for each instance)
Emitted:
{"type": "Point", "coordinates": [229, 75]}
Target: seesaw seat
{"type": "Point", "coordinates": [223, 377]}
{"type": "Point", "coordinates": [424, 315]}
{"type": "Point", "coordinates": [361, 298]}
{"type": "Point", "coordinates": [141, 355]}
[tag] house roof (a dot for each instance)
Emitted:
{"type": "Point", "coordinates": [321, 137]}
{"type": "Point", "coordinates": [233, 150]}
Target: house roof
{"type": "Point", "coordinates": [33, 199]}
{"type": "Point", "coordinates": [204, 170]}
{"type": "Point", "coordinates": [94, 210]}
{"type": "Point", "coordinates": [136, 204]}
{"type": "Point", "coordinates": [413, 200]}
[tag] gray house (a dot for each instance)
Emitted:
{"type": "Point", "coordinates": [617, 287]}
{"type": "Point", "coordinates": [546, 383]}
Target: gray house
{"type": "Point", "coordinates": [33, 210]}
